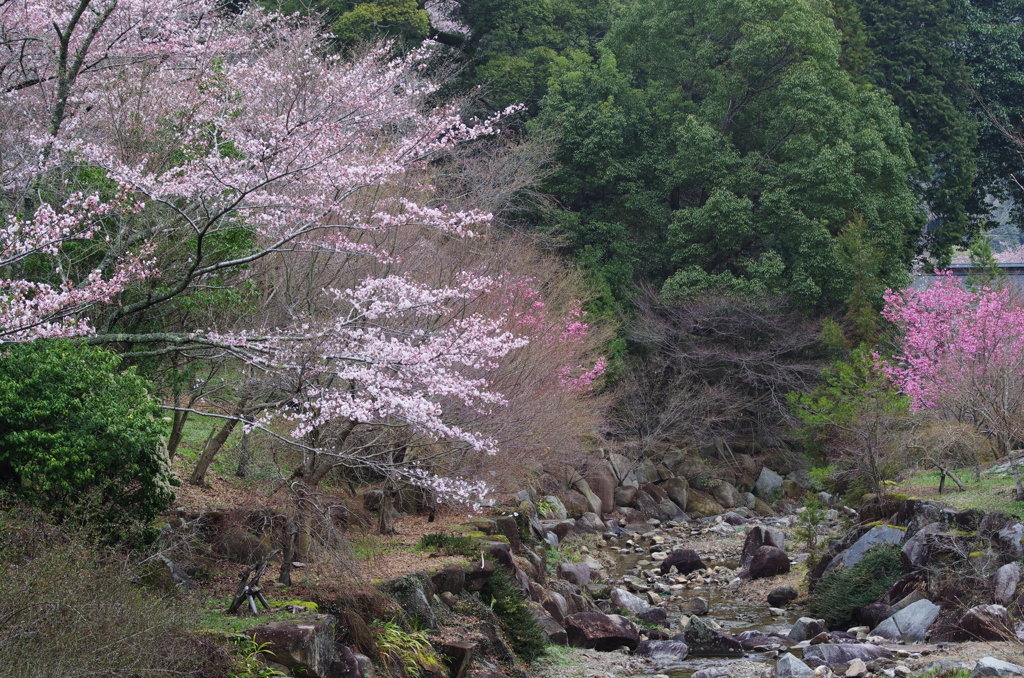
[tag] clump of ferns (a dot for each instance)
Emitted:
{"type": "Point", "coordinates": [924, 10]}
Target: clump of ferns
{"type": "Point", "coordinates": [405, 652]}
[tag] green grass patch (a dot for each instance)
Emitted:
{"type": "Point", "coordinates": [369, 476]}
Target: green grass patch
{"type": "Point", "coordinates": [995, 492]}
{"type": "Point", "coordinates": [214, 618]}
{"type": "Point", "coordinates": [449, 544]}
{"type": "Point", "coordinates": [842, 591]}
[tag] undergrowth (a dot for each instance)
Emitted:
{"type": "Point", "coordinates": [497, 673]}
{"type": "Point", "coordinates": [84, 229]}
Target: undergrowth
{"type": "Point", "coordinates": [449, 544]}
{"type": "Point", "coordinates": [842, 591]}
{"type": "Point", "coordinates": [406, 651]}
{"type": "Point", "coordinates": [517, 622]}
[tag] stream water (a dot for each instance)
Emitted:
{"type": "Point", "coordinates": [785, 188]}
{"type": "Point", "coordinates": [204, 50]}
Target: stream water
{"type": "Point", "coordinates": [733, 614]}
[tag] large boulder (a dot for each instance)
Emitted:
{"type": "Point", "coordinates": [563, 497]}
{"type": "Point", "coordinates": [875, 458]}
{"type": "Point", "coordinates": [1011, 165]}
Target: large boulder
{"type": "Point", "coordinates": [911, 623]}
{"type": "Point", "coordinates": [879, 534]}
{"type": "Point", "coordinates": [308, 646]}
{"type": "Point", "coordinates": [665, 650]}
{"type": "Point", "coordinates": [677, 490]}
{"type": "Point", "coordinates": [1009, 542]}
{"type": "Point", "coordinates": [990, 666]}
{"type": "Point", "coordinates": [657, 494]}
{"type": "Point", "coordinates": [759, 536]}
{"type": "Point", "coordinates": [625, 495]}
{"type": "Point", "coordinates": [768, 561]}
{"type": "Point", "coordinates": [1004, 583]}
{"type": "Point", "coordinates": [685, 562]}
{"type": "Point", "coordinates": [654, 615]}
{"type": "Point", "coordinates": [831, 654]}
{"type": "Point", "coordinates": [624, 600]}
{"type": "Point", "coordinates": [698, 606]}
{"type": "Point", "coordinates": [601, 632]}
{"type": "Point", "coordinates": [551, 629]}
{"type": "Point", "coordinates": [556, 508]}
{"type": "Point", "coordinates": [622, 469]}
{"type": "Point", "coordinates": [806, 628]}
{"type": "Point", "coordinates": [647, 506]}
{"type": "Point", "coordinates": [602, 482]}
{"type": "Point", "coordinates": [985, 622]}
{"type": "Point", "coordinates": [769, 485]}
{"type": "Point", "coordinates": [789, 666]}
{"type": "Point", "coordinates": [575, 503]}
{"type": "Point", "coordinates": [705, 641]}
{"type": "Point", "coordinates": [594, 503]}
{"type": "Point", "coordinates": [914, 555]}
{"type": "Point", "coordinates": [698, 502]}
{"type": "Point", "coordinates": [671, 511]}
{"type": "Point", "coordinates": [727, 495]}
{"type": "Point", "coordinates": [578, 574]}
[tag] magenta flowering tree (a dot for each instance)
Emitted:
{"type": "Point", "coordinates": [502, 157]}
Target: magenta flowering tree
{"type": "Point", "coordinates": [962, 353]}
{"type": "Point", "coordinates": [256, 160]}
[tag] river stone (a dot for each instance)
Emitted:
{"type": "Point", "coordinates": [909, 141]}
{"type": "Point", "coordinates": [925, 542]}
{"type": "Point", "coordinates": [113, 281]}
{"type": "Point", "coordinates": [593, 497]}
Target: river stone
{"type": "Point", "coordinates": [654, 615]}
{"type": "Point", "coordinates": [602, 483]}
{"type": "Point", "coordinates": [698, 606]}
{"type": "Point", "coordinates": [806, 628]}
{"type": "Point", "coordinates": [705, 641]}
{"type": "Point", "coordinates": [307, 645]}
{"type": "Point", "coordinates": [830, 654]}
{"type": "Point", "coordinates": [556, 507]}
{"type": "Point", "coordinates": [578, 574]}
{"type": "Point", "coordinates": [769, 485]}
{"type": "Point", "coordinates": [1005, 583]}
{"type": "Point", "coordinates": [789, 666]}
{"type": "Point", "coordinates": [625, 495]}
{"type": "Point", "coordinates": [673, 512]}
{"type": "Point", "coordinates": [911, 623]}
{"type": "Point", "coordinates": [762, 508]}
{"type": "Point", "coordinates": [698, 502]}
{"type": "Point", "coordinates": [990, 666]}
{"type": "Point", "coordinates": [727, 495]}
{"type": "Point", "coordinates": [554, 632]}
{"type": "Point", "coordinates": [759, 536]}
{"type": "Point", "coordinates": [768, 561]}
{"type": "Point", "coordinates": [914, 555]}
{"type": "Point", "coordinates": [677, 490]}
{"type": "Point", "coordinates": [625, 600]}
{"type": "Point", "coordinates": [738, 669]}
{"type": "Point", "coordinates": [647, 506]}
{"type": "Point", "coordinates": [985, 622]}
{"type": "Point", "coordinates": [879, 534]}
{"type": "Point", "coordinates": [601, 632]}
{"type": "Point", "coordinates": [662, 649]}
{"type": "Point", "coordinates": [685, 562]}
{"type": "Point", "coordinates": [780, 595]}
{"type": "Point", "coordinates": [1008, 540]}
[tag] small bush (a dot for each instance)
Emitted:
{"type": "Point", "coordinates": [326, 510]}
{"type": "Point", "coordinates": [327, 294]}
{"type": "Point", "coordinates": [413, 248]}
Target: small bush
{"type": "Point", "coordinates": [841, 592]}
{"type": "Point", "coordinates": [406, 652]}
{"type": "Point", "coordinates": [449, 544]}
{"type": "Point", "coordinates": [514, 615]}
{"type": "Point", "coordinates": [77, 437]}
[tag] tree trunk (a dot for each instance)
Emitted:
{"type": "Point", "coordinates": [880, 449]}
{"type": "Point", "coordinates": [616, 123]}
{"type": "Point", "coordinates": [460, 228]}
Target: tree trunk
{"type": "Point", "coordinates": [177, 429]}
{"type": "Point", "coordinates": [214, 444]}
{"type": "Point", "coordinates": [289, 552]}
{"type": "Point", "coordinates": [244, 456]}
{"type": "Point", "coordinates": [385, 523]}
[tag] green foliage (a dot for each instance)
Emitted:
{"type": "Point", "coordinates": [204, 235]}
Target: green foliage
{"type": "Point", "coordinates": [248, 663]}
{"type": "Point", "coordinates": [729, 132]}
{"type": "Point", "coordinates": [383, 18]}
{"type": "Point", "coordinates": [806, 523]}
{"type": "Point", "coordinates": [77, 435]}
{"type": "Point", "coordinates": [514, 615]}
{"type": "Point", "coordinates": [408, 651]}
{"type": "Point", "coordinates": [985, 269]}
{"type": "Point", "coordinates": [841, 592]}
{"type": "Point", "coordinates": [449, 544]}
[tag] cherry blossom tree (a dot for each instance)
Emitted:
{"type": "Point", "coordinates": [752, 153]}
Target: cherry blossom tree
{"type": "Point", "coordinates": [249, 151]}
{"type": "Point", "coordinates": [962, 352]}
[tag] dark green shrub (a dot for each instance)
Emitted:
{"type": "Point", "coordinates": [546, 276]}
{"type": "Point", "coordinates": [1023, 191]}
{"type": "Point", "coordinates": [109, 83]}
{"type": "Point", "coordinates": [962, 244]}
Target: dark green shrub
{"type": "Point", "coordinates": [77, 437]}
{"type": "Point", "coordinates": [841, 592]}
{"type": "Point", "coordinates": [449, 544]}
{"type": "Point", "coordinates": [517, 622]}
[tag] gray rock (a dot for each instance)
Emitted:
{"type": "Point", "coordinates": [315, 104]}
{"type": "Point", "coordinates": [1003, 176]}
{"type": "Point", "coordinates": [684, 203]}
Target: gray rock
{"type": "Point", "coordinates": [990, 666]}
{"type": "Point", "coordinates": [698, 502]}
{"type": "Point", "coordinates": [737, 669]}
{"type": "Point", "coordinates": [654, 615]}
{"type": "Point", "coordinates": [911, 623]}
{"type": "Point", "coordinates": [705, 641]}
{"type": "Point", "coordinates": [622, 469]}
{"type": "Point", "coordinates": [727, 495]}
{"type": "Point", "coordinates": [594, 504]}
{"type": "Point", "coordinates": [806, 628]}
{"type": "Point", "coordinates": [914, 555]}
{"type": "Point", "coordinates": [986, 622]}
{"type": "Point", "coordinates": [646, 472]}
{"type": "Point", "coordinates": [698, 606]}
{"type": "Point", "coordinates": [308, 646]}
{"type": "Point", "coordinates": [594, 520]}
{"type": "Point", "coordinates": [830, 654]}
{"type": "Point", "coordinates": [769, 485]}
{"type": "Point", "coordinates": [625, 495]}
{"type": "Point", "coordinates": [789, 666]}
{"type": "Point", "coordinates": [1009, 542]}
{"type": "Point", "coordinates": [556, 507]}
{"type": "Point", "coordinates": [677, 490]}
{"type": "Point", "coordinates": [751, 502]}
{"type": "Point", "coordinates": [625, 600]}
{"type": "Point", "coordinates": [554, 632]}
{"type": "Point", "coordinates": [1005, 583]}
{"type": "Point", "coordinates": [879, 534]}
{"type": "Point", "coordinates": [670, 509]}
{"type": "Point", "coordinates": [780, 595]}
{"type": "Point", "coordinates": [663, 649]}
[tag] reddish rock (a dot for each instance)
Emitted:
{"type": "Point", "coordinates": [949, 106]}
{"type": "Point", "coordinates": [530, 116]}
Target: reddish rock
{"type": "Point", "coordinates": [986, 622]}
{"type": "Point", "coordinates": [601, 632]}
{"type": "Point", "coordinates": [308, 646]}
{"type": "Point", "coordinates": [685, 562]}
{"type": "Point", "coordinates": [768, 561]}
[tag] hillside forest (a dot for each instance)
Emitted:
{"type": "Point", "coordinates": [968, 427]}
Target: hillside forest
{"type": "Point", "coordinates": [278, 254]}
